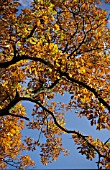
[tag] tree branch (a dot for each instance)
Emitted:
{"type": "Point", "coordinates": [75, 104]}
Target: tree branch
{"type": "Point", "coordinates": [45, 89]}
{"type": "Point", "coordinates": [17, 98]}
{"type": "Point", "coordinates": [15, 60]}
{"type": "Point", "coordinates": [69, 131]}
{"type": "Point", "coordinates": [87, 87]}
{"type": "Point", "coordinates": [23, 57]}
{"type": "Point", "coordinates": [60, 127]}
{"type": "Point", "coordinates": [5, 111]}
{"type": "Point", "coordinates": [31, 33]}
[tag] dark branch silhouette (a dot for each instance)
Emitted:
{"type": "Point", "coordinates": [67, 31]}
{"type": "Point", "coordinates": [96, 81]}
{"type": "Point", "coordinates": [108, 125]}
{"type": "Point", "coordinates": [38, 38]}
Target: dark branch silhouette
{"type": "Point", "coordinates": [93, 90]}
{"type": "Point", "coordinates": [5, 111]}
{"type": "Point", "coordinates": [31, 34]}
{"type": "Point", "coordinates": [15, 60]}
{"type": "Point", "coordinates": [18, 98]}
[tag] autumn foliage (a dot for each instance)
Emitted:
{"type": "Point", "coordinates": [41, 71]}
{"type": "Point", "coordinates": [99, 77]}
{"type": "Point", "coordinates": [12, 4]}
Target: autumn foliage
{"type": "Point", "coordinates": [53, 47]}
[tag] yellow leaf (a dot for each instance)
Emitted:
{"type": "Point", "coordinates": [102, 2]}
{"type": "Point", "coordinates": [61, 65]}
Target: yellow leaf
{"type": "Point", "coordinates": [58, 77]}
{"type": "Point", "coordinates": [57, 64]}
{"type": "Point", "coordinates": [57, 27]}
{"type": "Point", "coordinates": [50, 70]}
{"type": "Point", "coordinates": [19, 43]}
{"type": "Point", "coordinates": [70, 75]}
{"type": "Point", "coordinates": [38, 23]}
{"type": "Point", "coordinates": [82, 70]}
{"type": "Point", "coordinates": [33, 40]}
{"type": "Point", "coordinates": [107, 166]}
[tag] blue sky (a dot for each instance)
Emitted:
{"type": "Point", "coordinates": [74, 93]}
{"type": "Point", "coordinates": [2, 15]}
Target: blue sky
{"type": "Point", "coordinates": [74, 160]}
{"type": "Point", "coordinates": [26, 3]}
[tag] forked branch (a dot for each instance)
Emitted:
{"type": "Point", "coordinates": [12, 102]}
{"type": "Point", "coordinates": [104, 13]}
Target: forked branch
{"type": "Point", "coordinates": [65, 74]}
{"type": "Point", "coordinates": [17, 99]}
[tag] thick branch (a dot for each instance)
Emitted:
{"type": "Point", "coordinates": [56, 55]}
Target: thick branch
{"type": "Point", "coordinates": [88, 88]}
{"type": "Point", "coordinates": [5, 111]}
{"type": "Point", "coordinates": [18, 98]}
{"type": "Point", "coordinates": [69, 131]}
{"type": "Point", "coordinates": [59, 126]}
{"type": "Point", "coordinates": [19, 58]}
{"type": "Point", "coordinates": [15, 60]}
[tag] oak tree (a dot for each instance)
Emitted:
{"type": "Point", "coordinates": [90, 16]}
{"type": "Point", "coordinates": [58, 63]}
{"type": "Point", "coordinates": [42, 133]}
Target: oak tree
{"type": "Point", "coordinates": [53, 47]}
